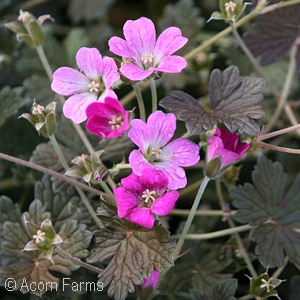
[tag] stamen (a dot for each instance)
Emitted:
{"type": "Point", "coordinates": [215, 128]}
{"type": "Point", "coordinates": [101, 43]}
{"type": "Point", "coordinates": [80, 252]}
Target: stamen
{"type": "Point", "coordinates": [116, 122]}
{"type": "Point", "coordinates": [39, 236]}
{"type": "Point", "coordinates": [147, 60]}
{"type": "Point", "coordinates": [37, 109]}
{"type": "Point", "coordinates": [126, 61]}
{"type": "Point", "coordinates": [148, 195]}
{"type": "Point", "coordinates": [155, 152]}
{"type": "Point", "coordinates": [267, 284]}
{"type": "Point", "coordinates": [230, 6]}
{"type": "Point", "coordinates": [94, 86]}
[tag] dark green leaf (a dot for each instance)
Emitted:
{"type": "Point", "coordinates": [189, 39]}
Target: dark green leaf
{"type": "Point", "coordinates": [197, 295]}
{"type": "Point", "coordinates": [295, 288]}
{"type": "Point", "coordinates": [233, 101]}
{"type": "Point", "coordinates": [272, 40]}
{"type": "Point", "coordinates": [225, 290]}
{"type": "Point", "coordinates": [274, 212]}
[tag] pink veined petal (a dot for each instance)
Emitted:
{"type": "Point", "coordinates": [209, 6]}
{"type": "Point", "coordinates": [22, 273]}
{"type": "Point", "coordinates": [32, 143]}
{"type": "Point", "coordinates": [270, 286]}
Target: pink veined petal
{"type": "Point", "coordinates": [169, 41]}
{"type": "Point", "coordinates": [138, 162]}
{"type": "Point", "coordinates": [230, 139]}
{"type": "Point", "coordinates": [141, 216]}
{"type": "Point", "coordinates": [171, 64]}
{"type": "Point", "coordinates": [227, 157]}
{"type": "Point", "coordinates": [140, 34]}
{"type": "Point", "coordinates": [132, 183]}
{"type": "Point", "coordinates": [107, 93]}
{"type": "Point", "coordinates": [75, 106]}
{"type": "Point", "coordinates": [164, 205]}
{"type": "Point", "coordinates": [242, 148]}
{"type": "Point", "coordinates": [181, 152]}
{"type": "Point", "coordinates": [89, 60]}
{"type": "Point", "coordinates": [99, 126]}
{"type": "Point", "coordinates": [154, 180]}
{"type": "Point", "coordinates": [111, 107]}
{"type": "Point", "coordinates": [152, 280]}
{"type": "Point", "coordinates": [162, 128]}
{"type": "Point", "coordinates": [215, 143]}
{"type": "Point", "coordinates": [176, 175]}
{"type": "Point", "coordinates": [110, 73]}
{"type": "Point", "coordinates": [140, 134]}
{"type": "Point", "coordinates": [134, 72]}
{"type": "Point", "coordinates": [120, 47]}
{"type": "Point", "coordinates": [126, 201]}
{"type": "Point", "coordinates": [68, 81]}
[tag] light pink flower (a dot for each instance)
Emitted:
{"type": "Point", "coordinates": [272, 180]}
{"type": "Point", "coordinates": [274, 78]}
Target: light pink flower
{"type": "Point", "coordinates": [155, 150]}
{"type": "Point", "coordinates": [92, 84]}
{"type": "Point", "coordinates": [108, 119]}
{"type": "Point", "coordinates": [142, 196]}
{"type": "Point", "coordinates": [152, 280]}
{"type": "Point", "coordinates": [225, 144]}
{"type": "Point", "coordinates": [143, 55]}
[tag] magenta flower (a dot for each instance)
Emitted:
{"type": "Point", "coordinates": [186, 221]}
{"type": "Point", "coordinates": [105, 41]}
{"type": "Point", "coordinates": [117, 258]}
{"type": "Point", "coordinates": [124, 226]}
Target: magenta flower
{"type": "Point", "coordinates": [108, 119]}
{"type": "Point", "coordinates": [140, 197]}
{"type": "Point", "coordinates": [225, 144]}
{"type": "Point", "coordinates": [152, 280]}
{"type": "Point", "coordinates": [92, 84]}
{"type": "Point", "coordinates": [143, 55]}
{"type": "Point", "coordinates": [156, 151]}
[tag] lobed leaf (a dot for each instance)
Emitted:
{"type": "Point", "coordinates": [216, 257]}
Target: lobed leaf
{"type": "Point", "coordinates": [273, 211]}
{"type": "Point", "coordinates": [233, 101]}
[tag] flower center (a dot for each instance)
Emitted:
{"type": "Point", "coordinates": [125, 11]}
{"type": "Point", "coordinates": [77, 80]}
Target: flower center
{"type": "Point", "coordinates": [147, 60]}
{"type": "Point", "coordinates": [94, 86]}
{"type": "Point", "coordinates": [148, 196]}
{"type": "Point", "coordinates": [230, 6]}
{"type": "Point", "coordinates": [39, 236]}
{"type": "Point", "coordinates": [126, 61]}
{"type": "Point", "coordinates": [155, 152]}
{"type": "Point", "coordinates": [116, 122]}
{"type": "Point", "coordinates": [38, 109]}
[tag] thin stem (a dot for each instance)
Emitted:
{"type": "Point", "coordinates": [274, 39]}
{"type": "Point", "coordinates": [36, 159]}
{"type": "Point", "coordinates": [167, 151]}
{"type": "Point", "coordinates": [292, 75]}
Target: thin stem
{"type": "Point", "coordinates": [277, 273]}
{"type": "Point", "coordinates": [190, 188]}
{"type": "Point", "coordinates": [247, 297]}
{"type": "Point", "coordinates": [140, 101]}
{"type": "Point", "coordinates": [77, 261]}
{"type": "Point", "coordinates": [204, 212]}
{"type": "Point", "coordinates": [59, 152]}
{"type": "Point", "coordinates": [286, 88]}
{"type": "Point", "coordinates": [153, 94]}
{"type": "Point", "coordinates": [52, 173]}
{"type": "Point", "coordinates": [190, 218]}
{"type": "Point", "coordinates": [215, 234]}
{"type": "Point", "coordinates": [43, 58]}
{"type": "Point", "coordinates": [277, 148]}
{"type": "Point", "coordinates": [277, 132]}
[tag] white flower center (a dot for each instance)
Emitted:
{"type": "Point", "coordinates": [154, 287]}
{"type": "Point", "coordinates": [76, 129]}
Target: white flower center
{"type": "Point", "coordinates": [148, 195]}
{"type": "Point", "coordinates": [126, 61]}
{"type": "Point", "coordinates": [155, 152]}
{"type": "Point", "coordinates": [147, 60]}
{"type": "Point", "coordinates": [94, 86]}
{"type": "Point", "coordinates": [38, 109]}
{"type": "Point", "coordinates": [116, 122]}
{"type": "Point", "coordinates": [230, 6]}
{"type": "Point", "coordinates": [267, 284]}
{"type": "Point", "coordinates": [39, 236]}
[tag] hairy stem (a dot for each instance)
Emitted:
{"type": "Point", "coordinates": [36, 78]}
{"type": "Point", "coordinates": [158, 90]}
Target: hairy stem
{"type": "Point", "coordinates": [190, 218]}
{"type": "Point", "coordinates": [278, 132]}
{"type": "Point", "coordinates": [215, 234]}
{"type": "Point", "coordinates": [77, 261]}
{"type": "Point", "coordinates": [277, 148]}
{"type": "Point", "coordinates": [59, 153]}
{"type": "Point", "coordinates": [204, 212]}
{"type": "Point", "coordinates": [277, 273]}
{"type": "Point", "coordinates": [153, 94]}
{"type": "Point", "coordinates": [140, 101]}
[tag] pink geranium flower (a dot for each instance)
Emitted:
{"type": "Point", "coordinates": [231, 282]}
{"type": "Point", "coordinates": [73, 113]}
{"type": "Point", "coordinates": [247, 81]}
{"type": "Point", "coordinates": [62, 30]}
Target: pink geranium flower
{"type": "Point", "coordinates": [225, 144]}
{"type": "Point", "coordinates": [152, 280]}
{"type": "Point", "coordinates": [108, 119]}
{"type": "Point", "coordinates": [140, 197]}
{"type": "Point", "coordinates": [143, 55]}
{"type": "Point", "coordinates": [155, 150]}
{"type": "Point", "coordinates": [92, 84]}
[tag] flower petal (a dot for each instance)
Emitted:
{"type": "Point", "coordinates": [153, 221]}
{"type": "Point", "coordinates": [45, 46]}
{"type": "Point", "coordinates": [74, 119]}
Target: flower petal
{"type": "Point", "coordinates": [141, 216]}
{"type": "Point", "coordinates": [138, 162]}
{"type": "Point", "coordinates": [110, 73]}
{"type": "Point", "coordinates": [242, 148]}
{"type": "Point", "coordinates": [140, 134]}
{"type": "Point", "coordinates": [182, 152]}
{"type": "Point", "coordinates": [162, 128]}
{"type": "Point", "coordinates": [171, 64]}
{"type": "Point", "coordinates": [120, 47]}
{"type": "Point", "coordinates": [230, 139]}
{"type": "Point", "coordinates": [134, 72]}
{"type": "Point", "coordinates": [140, 35]}
{"type": "Point", "coordinates": [75, 106]}
{"type": "Point", "coordinates": [154, 180]}
{"type": "Point", "coordinates": [110, 107]}
{"type": "Point", "coordinates": [164, 205]}
{"type": "Point", "coordinates": [89, 60]}
{"type": "Point", "coordinates": [126, 201]}
{"type": "Point", "coordinates": [107, 93]}
{"type": "Point", "coordinates": [152, 280]}
{"type": "Point", "coordinates": [169, 41]}
{"type": "Point", "coordinates": [31, 246]}
{"type": "Point", "coordinates": [133, 183]}
{"type": "Point", "coordinates": [68, 81]}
